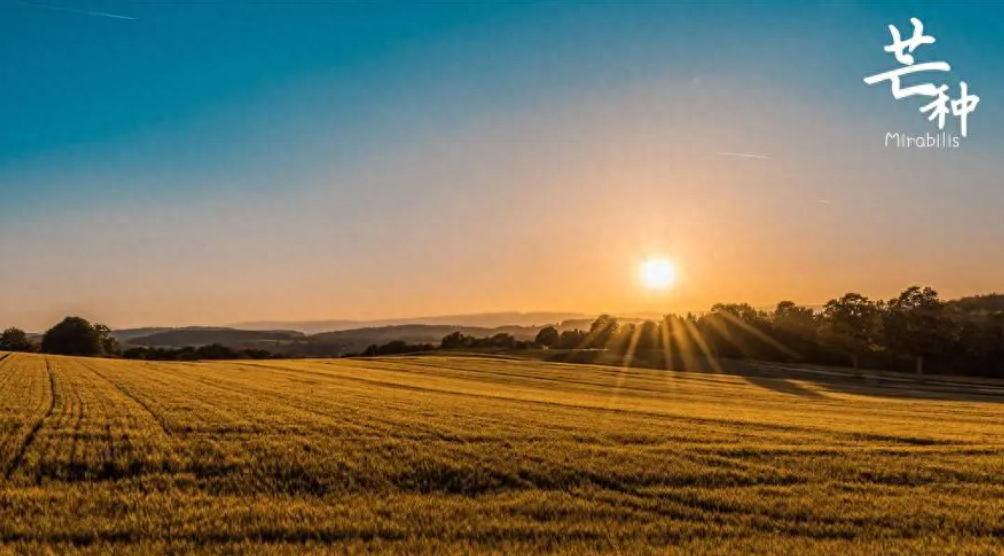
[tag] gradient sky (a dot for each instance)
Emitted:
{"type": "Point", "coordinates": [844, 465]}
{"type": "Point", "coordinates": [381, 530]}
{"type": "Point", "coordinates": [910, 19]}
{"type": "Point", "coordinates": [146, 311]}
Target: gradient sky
{"type": "Point", "coordinates": [205, 163]}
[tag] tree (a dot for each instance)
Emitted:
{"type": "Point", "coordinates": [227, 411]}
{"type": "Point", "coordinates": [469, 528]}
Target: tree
{"type": "Point", "coordinates": [603, 329]}
{"type": "Point", "coordinates": [621, 338]}
{"type": "Point", "coordinates": [547, 337]}
{"type": "Point", "coordinates": [503, 340]}
{"type": "Point", "coordinates": [571, 339]}
{"type": "Point", "coordinates": [980, 345]}
{"type": "Point", "coordinates": [675, 340]}
{"type": "Point", "coordinates": [15, 339]}
{"type": "Point", "coordinates": [647, 336]}
{"type": "Point", "coordinates": [109, 345]}
{"type": "Point", "coordinates": [790, 317]}
{"type": "Point", "coordinates": [796, 327]}
{"type": "Point", "coordinates": [850, 324]}
{"type": "Point", "coordinates": [915, 323]}
{"type": "Point", "coordinates": [396, 347]}
{"type": "Point", "coordinates": [73, 336]}
{"type": "Point", "coordinates": [738, 330]}
{"type": "Point", "coordinates": [455, 340]}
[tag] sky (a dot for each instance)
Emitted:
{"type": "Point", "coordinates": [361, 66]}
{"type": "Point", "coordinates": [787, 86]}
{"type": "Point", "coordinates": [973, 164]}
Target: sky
{"type": "Point", "coordinates": [171, 163]}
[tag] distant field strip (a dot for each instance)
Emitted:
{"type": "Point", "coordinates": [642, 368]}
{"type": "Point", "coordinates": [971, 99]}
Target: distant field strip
{"type": "Point", "coordinates": [462, 455]}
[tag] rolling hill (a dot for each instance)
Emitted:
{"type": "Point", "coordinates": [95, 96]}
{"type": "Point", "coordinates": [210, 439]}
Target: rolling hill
{"type": "Point", "coordinates": [199, 336]}
{"type": "Point", "coordinates": [481, 320]}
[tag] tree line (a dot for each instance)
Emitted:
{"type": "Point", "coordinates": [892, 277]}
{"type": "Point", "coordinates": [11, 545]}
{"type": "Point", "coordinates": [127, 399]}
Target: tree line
{"type": "Point", "coordinates": [215, 352]}
{"type": "Point", "coordinates": [914, 331]}
{"type": "Point", "coordinates": [78, 337]}
{"type": "Point", "coordinates": [72, 336]}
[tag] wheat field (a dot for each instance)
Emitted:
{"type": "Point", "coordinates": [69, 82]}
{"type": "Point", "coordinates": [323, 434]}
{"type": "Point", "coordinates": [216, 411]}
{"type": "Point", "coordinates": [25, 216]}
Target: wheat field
{"type": "Point", "coordinates": [479, 455]}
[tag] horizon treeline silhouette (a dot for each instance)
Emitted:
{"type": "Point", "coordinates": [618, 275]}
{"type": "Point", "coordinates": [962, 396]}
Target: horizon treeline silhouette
{"type": "Point", "coordinates": [914, 331]}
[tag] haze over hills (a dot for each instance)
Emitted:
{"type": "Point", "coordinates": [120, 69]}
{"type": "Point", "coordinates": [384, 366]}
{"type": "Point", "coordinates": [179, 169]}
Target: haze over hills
{"type": "Point", "coordinates": [484, 320]}
{"type": "Point", "coordinates": [340, 337]}
{"type": "Point", "coordinates": [334, 343]}
{"type": "Point", "coordinates": [198, 335]}
{"type": "Point", "coordinates": [292, 343]}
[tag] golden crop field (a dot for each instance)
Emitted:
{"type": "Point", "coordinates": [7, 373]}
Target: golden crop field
{"type": "Point", "coordinates": [469, 455]}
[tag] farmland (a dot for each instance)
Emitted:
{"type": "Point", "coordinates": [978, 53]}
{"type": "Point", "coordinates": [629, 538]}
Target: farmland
{"type": "Point", "coordinates": [462, 455]}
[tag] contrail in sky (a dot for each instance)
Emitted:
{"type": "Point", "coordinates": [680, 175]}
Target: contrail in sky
{"type": "Point", "coordinates": [75, 11]}
{"type": "Point", "coordinates": [743, 155]}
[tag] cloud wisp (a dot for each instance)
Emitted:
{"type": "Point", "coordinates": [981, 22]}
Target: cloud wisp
{"type": "Point", "coordinates": [76, 11]}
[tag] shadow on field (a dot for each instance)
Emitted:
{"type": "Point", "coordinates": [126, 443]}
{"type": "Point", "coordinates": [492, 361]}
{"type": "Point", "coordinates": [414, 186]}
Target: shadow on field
{"type": "Point", "coordinates": [918, 390]}
{"type": "Point", "coordinates": [780, 376]}
{"type": "Point", "coordinates": [877, 384]}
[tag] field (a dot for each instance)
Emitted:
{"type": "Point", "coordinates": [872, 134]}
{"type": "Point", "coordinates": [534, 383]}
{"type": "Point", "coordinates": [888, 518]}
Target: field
{"type": "Point", "coordinates": [436, 455]}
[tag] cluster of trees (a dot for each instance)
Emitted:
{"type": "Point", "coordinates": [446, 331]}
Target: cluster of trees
{"type": "Point", "coordinates": [566, 339]}
{"type": "Point", "coordinates": [72, 336]}
{"type": "Point", "coordinates": [201, 353]}
{"type": "Point", "coordinates": [454, 340]}
{"type": "Point", "coordinates": [77, 336]}
{"type": "Point", "coordinates": [15, 339]}
{"type": "Point", "coordinates": [396, 347]}
{"type": "Point", "coordinates": [913, 331]}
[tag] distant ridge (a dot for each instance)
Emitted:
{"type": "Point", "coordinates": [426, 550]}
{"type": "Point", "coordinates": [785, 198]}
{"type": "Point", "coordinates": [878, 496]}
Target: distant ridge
{"type": "Point", "coordinates": [204, 335]}
{"type": "Point", "coordinates": [483, 320]}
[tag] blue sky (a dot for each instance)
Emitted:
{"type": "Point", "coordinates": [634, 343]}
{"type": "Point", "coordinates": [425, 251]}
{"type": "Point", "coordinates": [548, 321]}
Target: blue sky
{"type": "Point", "coordinates": [370, 152]}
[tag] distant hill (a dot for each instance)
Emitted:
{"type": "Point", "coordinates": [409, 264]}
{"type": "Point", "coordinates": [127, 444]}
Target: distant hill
{"type": "Point", "coordinates": [352, 340]}
{"type": "Point", "coordinates": [486, 320]}
{"type": "Point", "coordinates": [338, 337]}
{"type": "Point", "coordinates": [289, 342]}
{"type": "Point", "coordinates": [306, 327]}
{"type": "Point", "coordinates": [129, 334]}
{"type": "Point", "coordinates": [201, 336]}
{"type": "Point", "coordinates": [346, 341]}
{"type": "Point", "coordinates": [585, 323]}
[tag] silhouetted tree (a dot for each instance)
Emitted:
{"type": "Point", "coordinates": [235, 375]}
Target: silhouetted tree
{"type": "Point", "coordinates": [503, 340]}
{"type": "Point", "coordinates": [674, 339]}
{"type": "Point", "coordinates": [15, 339]}
{"type": "Point", "coordinates": [109, 345]}
{"type": "Point", "coordinates": [647, 336]}
{"type": "Point", "coordinates": [454, 340]}
{"type": "Point", "coordinates": [396, 347]}
{"type": "Point", "coordinates": [980, 345]}
{"type": "Point", "coordinates": [73, 336]}
{"type": "Point", "coordinates": [621, 338]}
{"type": "Point", "coordinates": [797, 328]}
{"type": "Point", "coordinates": [601, 332]}
{"type": "Point", "coordinates": [571, 339]}
{"type": "Point", "coordinates": [189, 353]}
{"type": "Point", "coordinates": [738, 330]}
{"type": "Point", "coordinates": [850, 325]}
{"type": "Point", "coordinates": [547, 337]}
{"type": "Point", "coordinates": [915, 323]}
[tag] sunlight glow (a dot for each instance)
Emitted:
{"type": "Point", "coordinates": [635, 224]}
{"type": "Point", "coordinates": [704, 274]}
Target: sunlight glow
{"type": "Point", "coordinates": [657, 273]}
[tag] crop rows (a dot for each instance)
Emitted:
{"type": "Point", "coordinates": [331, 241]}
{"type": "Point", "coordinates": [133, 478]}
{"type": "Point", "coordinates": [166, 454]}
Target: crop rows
{"type": "Point", "coordinates": [485, 455]}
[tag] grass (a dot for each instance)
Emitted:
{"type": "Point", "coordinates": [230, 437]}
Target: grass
{"type": "Point", "coordinates": [465, 455]}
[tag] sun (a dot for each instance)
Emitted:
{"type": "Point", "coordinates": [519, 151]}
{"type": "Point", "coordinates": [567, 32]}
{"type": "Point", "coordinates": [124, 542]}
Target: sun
{"type": "Point", "coordinates": [657, 273]}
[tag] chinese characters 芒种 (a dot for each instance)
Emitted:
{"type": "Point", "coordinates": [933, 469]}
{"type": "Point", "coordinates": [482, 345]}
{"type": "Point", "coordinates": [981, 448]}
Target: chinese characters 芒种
{"type": "Point", "coordinates": [942, 105]}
